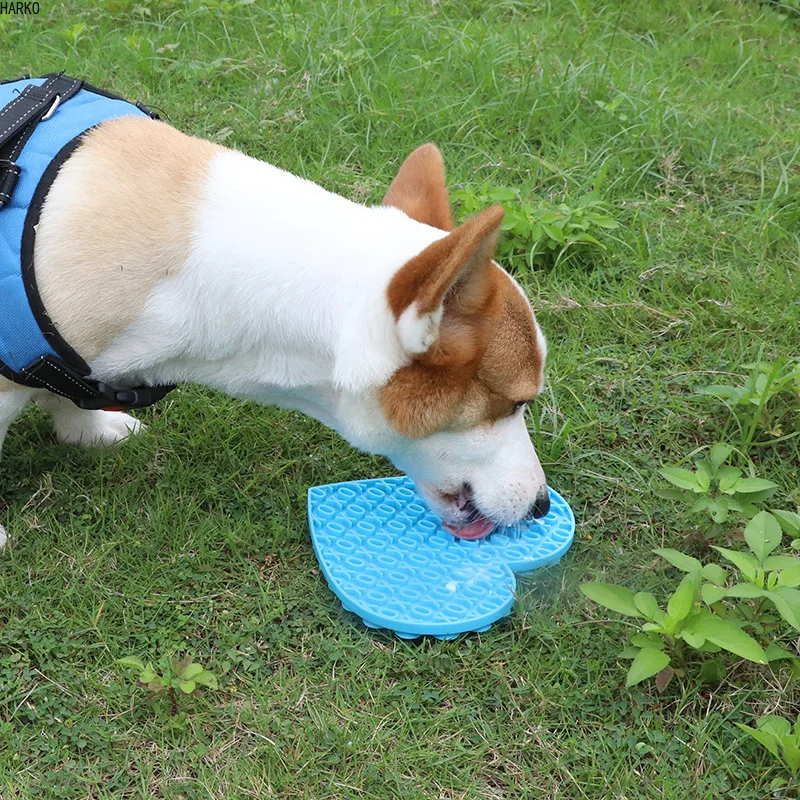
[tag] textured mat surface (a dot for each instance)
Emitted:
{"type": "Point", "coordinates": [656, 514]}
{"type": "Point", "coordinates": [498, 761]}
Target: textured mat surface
{"type": "Point", "coordinates": [387, 558]}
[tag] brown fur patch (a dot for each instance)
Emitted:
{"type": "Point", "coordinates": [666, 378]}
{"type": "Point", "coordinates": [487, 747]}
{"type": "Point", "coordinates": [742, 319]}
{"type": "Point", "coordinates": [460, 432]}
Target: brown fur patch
{"type": "Point", "coordinates": [488, 356]}
{"type": "Point", "coordinates": [135, 186]}
{"type": "Point", "coordinates": [513, 363]}
{"type": "Point", "coordinates": [419, 189]}
{"type": "Point", "coordinates": [482, 365]}
{"type": "Point", "coordinates": [458, 263]}
{"type": "Point", "coordinates": [455, 274]}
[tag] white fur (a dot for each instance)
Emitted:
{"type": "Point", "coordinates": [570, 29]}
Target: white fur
{"type": "Point", "coordinates": [73, 425]}
{"type": "Point", "coordinates": [498, 461]}
{"type": "Point", "coordinates": [285, 289]}
{"type": "Point", "coordinates": [417, 331]}
{"type": "Point", "coordinates": [283, 300]}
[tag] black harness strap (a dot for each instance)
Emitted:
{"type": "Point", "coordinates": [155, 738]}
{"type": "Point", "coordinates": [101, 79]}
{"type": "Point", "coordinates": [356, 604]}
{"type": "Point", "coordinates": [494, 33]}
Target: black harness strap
{"type": "Point", "coordinates": [19, 119]}
{"type": "Point", "coordinates": [17, 122]}
{"type": "Point", "coordinates": [58, 377]}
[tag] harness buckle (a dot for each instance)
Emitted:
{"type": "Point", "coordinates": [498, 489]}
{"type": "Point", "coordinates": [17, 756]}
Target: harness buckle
{"type": "Point", "coordinates": [9, 174]}
{"type": "Point", "coordinates": [53, 373]}
{"type": "Point", "coordinates": [52, 109]}
{"type": "Point", "coordinates": [111, 399]}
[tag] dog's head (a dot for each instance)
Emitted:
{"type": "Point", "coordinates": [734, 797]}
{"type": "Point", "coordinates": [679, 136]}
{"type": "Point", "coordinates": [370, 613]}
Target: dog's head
{"type": "Point", "coordinates": [474, 356]}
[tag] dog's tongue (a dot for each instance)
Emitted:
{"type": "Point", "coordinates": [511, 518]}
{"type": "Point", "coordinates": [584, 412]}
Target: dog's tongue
{"type": "Point", "coordinates": [474, 530]}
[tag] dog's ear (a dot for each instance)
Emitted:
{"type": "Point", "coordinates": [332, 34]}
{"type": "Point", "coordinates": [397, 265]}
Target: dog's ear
{"type": "Point", "coordinates": [419, 189]}
{"type": "Point", "coordinates": [450, 277]}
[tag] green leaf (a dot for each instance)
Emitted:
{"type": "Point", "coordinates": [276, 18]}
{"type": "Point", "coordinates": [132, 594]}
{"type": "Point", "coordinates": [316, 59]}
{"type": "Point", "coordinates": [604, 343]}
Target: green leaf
{"type": "Point", "coordinates": [502, 195]}
{"type": "Point", "coordinates": [694, 640]}
{"type": "Point", "coordinates": [746, 563]}
{"type": "Point", "coordinates": [732, 393]}
{"type": "Point", "coordinates": [728, 476]}
{"type": "Point", "coordinates": [762, 738]}
{"type": "Point", "coordinates": [787, 603]}
{"type": "Point", "coordinates": [763, 534]}
{"type": "Point", "coordinates": [647, 604]}
{"type": "Point", "coordinates": [771, 563]}
{"type": "Point", "coordinates": [789, 577]}
{"type": "Point", "coordinates": [789, 522]}
{"type": "Point", "coordinates": [605, 222]}
{"type": "Point", "coordinates": [726, 635]}
{"type": "Point", "coordinates": [750, 485]}
{"type": "Point", "coordinates": [666, 625]}
{"type": "Point", "coordinates": [791, 755]}
{"type": "Point", "coordinates": [715, 573]}
{"type": "Point", "coordinates": [746, 509]}
{"type": "Point", "coordinates": [719, 454]}
{"type": "Point", "coordinates": [191, 671]}
{"type": "Point", "coordinates": [617, 598]}
{"type": "Point", "coordinates": [628, 653]}
{"type": "Point", "coordinates": [647, 663]}
{"type": "Point", "coordinates": [647, 640]}
{"type": "Point", "coordinates": [549, 217]}
{"type": "Point", "coordinates": [712, 671]}
{"type": "Point", "coordinates": [680, 560]}
{"type": "Point", "coordinates": [705, 466]}
{"type": "Point", "coordinates": [719, 508]}
{"type": "Point", "coordinates": [131, 662]}
{"type": "Point", "coordinates": [187, 687]}
{"type": "Point", "coordinates": [682, 478]}
{"type": "Point", "coordinates": [682, 600]}
{"type": "Point", "coordinates": [747, 590]}
{"type": "Point", "coordinates": [701, 504]}
{"type": "Point", "coordinates": [587, 237]}
{"type": "Point", "coordinates": [711, 594]}
{"type": "Point", "coordinates": [775, 726]}
{"type": "Point", "coordinates": [148, 674]}
{"type": "Point", "coordinates": [703, 480]}
{"type": "Point", "coordinates": [751, 500]}
{"type": "Point", "coordinates": [775, 653]}
{"type": "Point", "coordinates": [521, 227]}
{"type": "Point", "coordinates": [554, 233]}
{"type": "Point", "coordinates": [206, 678]}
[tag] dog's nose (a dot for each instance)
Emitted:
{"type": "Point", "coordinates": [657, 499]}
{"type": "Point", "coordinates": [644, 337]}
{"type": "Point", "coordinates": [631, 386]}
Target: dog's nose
{"type": "Point", "coordinates": [541, 505]}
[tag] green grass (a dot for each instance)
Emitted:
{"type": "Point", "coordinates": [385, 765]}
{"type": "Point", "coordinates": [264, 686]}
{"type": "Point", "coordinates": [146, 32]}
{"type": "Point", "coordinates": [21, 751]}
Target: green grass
{"type": "Point", "coordinates": [193, 537]}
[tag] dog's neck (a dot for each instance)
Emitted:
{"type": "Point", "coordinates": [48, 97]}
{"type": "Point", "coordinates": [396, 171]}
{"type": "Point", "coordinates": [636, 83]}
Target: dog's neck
{"type": "Point", "coordinates": [283, 296]}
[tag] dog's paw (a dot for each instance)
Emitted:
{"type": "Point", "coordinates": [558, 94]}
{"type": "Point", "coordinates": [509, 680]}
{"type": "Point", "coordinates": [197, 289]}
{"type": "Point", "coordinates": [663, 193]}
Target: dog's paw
{"type": "Point", "coordinates": [97, 428]}
{"type": "Point", "coordinates": [3, 537]}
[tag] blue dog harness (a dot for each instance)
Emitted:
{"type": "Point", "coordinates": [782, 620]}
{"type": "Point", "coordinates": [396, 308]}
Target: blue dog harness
{"type": "Point", "coordinates": [42, 122]}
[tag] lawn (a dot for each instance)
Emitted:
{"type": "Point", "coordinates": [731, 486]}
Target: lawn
{"type": "Point", "coordinates": [685, 119]}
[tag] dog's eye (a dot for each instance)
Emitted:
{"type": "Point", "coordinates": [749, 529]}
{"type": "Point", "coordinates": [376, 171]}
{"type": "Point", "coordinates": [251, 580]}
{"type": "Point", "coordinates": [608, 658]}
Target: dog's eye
{"type": "Point", "coordinates": [519, 404]}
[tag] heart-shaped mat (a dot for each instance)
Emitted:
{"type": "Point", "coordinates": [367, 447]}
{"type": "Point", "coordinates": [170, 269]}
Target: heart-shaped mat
{"type": "Point", "coordinates": [387, 558]}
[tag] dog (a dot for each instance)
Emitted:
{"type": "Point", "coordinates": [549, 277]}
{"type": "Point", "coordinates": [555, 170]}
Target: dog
{"type": "Point", "coordinates": [163, 258]}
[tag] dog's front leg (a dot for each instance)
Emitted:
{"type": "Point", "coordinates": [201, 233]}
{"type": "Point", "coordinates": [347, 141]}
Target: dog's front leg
{"type": "Point", "coordinates": [12, 401]}
{"type": "Point", "coordinates": [75, 425]}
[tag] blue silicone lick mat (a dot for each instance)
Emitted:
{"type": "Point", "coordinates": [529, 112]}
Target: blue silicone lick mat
{"type": "Point", "coordinates": [388, 559]}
